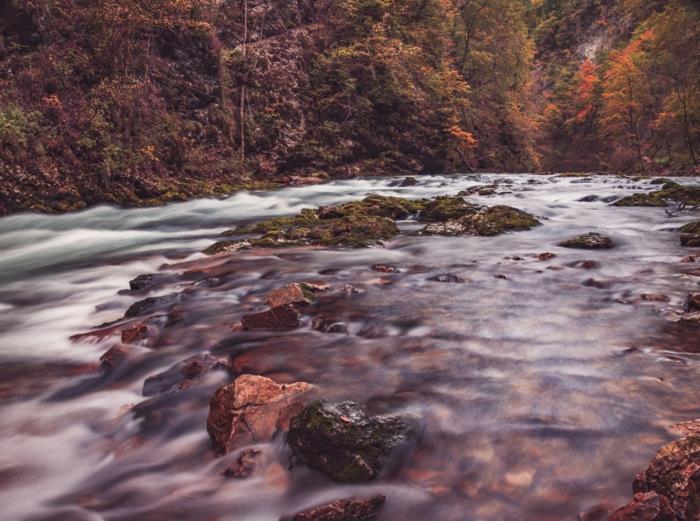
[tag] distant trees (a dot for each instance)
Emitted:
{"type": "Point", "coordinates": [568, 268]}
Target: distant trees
{"type": "Point", "coordinates": [636, 107]}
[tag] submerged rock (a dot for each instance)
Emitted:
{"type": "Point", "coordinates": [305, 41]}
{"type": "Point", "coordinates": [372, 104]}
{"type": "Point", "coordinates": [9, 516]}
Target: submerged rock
{"type": "Point", "coordinates": [589, 241]}
{"type": "Point", "coordinates": [182, 375]}
{"type": "Point", "coordinates": [691, 303]}
{"type": "Point", "coordinates": [251, 410]}
{"type": "Point", "coordinates": [340, 440]}
{"type": "Point", "coordinates": [152, 304]}
{"type": "Point", "coordinates": [351, 509]}
{"type": "Point", "coordinates": [281, 317]}
{"type": "Point", "coordinates": [227, 247]}
{"type": "Point", "coordinates": [245, 465]}
{"type": "Point", "coordinates": [690, 234]}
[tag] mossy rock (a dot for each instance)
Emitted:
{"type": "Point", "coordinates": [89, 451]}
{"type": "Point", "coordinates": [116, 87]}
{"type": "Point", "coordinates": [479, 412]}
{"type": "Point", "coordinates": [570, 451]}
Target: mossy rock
{"type": "Point", "coordinates": [307, 217]}
{"type": "Point", "coordinates": [374, 205]}
{"type": "Point", "coordinates": [650, 200]}
{"type": "Point", "coordinates": [500, 219]}
{"type": "Point", "coordinates": [351, 231]}
{"type": "Point", "coordinates": [690, 240]}
{"type": "Point", "coordinates": [444, 208]}
{"type": "Point", "coordinates": [589, 241]}
{"type": "Point", "coordinates": [693, 227]}
{"type": "Point", "coordinates": [486, 222]}
{"type": "Point", "coordinates": [343, 442]}
{"type": "Point", "coordinates": [670, 193]}
{"type": "Point", "coordinates": [227, 247]}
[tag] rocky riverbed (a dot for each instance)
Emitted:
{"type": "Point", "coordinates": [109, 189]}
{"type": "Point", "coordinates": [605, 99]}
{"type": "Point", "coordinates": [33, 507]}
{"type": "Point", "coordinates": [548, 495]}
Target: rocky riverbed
{"type": "Point", "coordinates": [488, 347]}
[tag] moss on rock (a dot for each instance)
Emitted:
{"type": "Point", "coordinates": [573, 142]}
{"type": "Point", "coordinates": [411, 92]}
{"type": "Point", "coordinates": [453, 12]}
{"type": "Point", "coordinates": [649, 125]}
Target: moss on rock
{"type": "Point", "coordinates": [342, 441]}
{"type": "Point", "coordinates": [670, 193]}
{"type": "Point", "coordinates": [489, 221]}
{"type": "Point", "coordinates": [589, 241]}
{"type": "Point", "coordinates": [444, 208]}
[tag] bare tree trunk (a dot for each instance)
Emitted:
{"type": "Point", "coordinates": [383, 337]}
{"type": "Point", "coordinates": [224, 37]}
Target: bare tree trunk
{"type": "Point", "coordinates": [680, 94]}
{"type": "Point", "coordinates": [243, 87]}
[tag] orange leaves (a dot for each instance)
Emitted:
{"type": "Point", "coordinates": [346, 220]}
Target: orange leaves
{"type": "Point", "coordinates": [585, 91]}
{"type": "Point", "coordinates": [465, 140]}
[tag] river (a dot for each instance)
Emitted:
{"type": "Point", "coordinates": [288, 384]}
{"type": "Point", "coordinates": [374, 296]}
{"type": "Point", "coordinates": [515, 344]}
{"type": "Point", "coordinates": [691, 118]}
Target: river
{"type": "Point", "coordinates": [542, 387]}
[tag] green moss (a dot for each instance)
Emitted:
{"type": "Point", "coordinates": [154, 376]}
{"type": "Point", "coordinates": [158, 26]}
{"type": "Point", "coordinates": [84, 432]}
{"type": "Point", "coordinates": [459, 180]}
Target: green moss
{"type": "Point", "coordinates": [589, 241]}
{"type": "Point", "coordinates": [500, 219]}
{"type": "Point", "coordinates": [445, 208]}
{"type": "Point", "coordinates": [670, 193]}
{"type": "Point", "coordinates": [693, 227]}
{"type": "Point", "coordinates": [305, 218]}
{"type": "Point", "coordinates": [375, 205]}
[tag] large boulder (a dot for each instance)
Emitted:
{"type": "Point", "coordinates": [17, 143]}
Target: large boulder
{"type": "Point", "coordinates": [352, 509]}
{"type": "Point", "coordinates": [675, 474]}
{"type": "Point", "coordinates": [690, 234]}
{"type": "Point", "coordinates": [251, 410]}
{"type": "Point", "coordinates": [342, 441]}
{"type": "Point", "coordinates": [589, 241]}
{"type": "Point", "coordinates": [670, 193]}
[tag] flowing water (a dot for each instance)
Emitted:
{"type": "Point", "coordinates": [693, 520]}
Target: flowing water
{"type": "Point", "coordinates": [542, 387]}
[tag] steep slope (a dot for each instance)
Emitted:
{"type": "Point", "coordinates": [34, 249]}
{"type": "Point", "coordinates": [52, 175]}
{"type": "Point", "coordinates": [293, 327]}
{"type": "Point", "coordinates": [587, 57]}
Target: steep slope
{"type": "Point", "coordinates": [141, 103]}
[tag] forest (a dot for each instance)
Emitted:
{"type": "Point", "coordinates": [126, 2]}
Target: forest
{"type": "Point", "coordinates": [349, 260]}
{"type": "Point", "coordinates": [155, 101]}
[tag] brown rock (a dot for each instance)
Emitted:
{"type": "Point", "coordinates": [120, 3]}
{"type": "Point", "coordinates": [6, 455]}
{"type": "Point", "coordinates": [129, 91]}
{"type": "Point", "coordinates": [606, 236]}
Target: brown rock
{"type": "Point", "coordinates": [244, 466]}
{"type": "Point", "coordinates": [691, 303]}
{"type": "Point", "coordinates": [353, 509]}
{"type": "Point", "coordinates": [282, 317]}
{"type": "Point", "coordinates": [114, 356]}
{"type": "Point", "coordinates": [291, 294]}
{"type": "Point", "coordinates": [689, 259]}
{"type": "Point", "coordinates": [182, 375]}
{"type": "Point", "coordinates": [648, 506]}
{"type": "Point", "coordinates": [546, 256]}
{"type": "Point", "coordinates": [385, 268]}
{"type": "Point", "coordinates": [251, 410]}
{"type": "Point", "coordinates": [655, 297]}
{"type": "Point", "coordinates": [675, 473]}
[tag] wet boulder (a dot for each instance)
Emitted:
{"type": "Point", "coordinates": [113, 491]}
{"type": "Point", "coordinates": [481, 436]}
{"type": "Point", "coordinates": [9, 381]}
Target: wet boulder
{"type": "Point", "coordinates": [450, 228]}
{"type": "Point", "coordinates": [251, 410]}
{"type": "Point", "coordinates": [589, 241]}
{"type": "Point", "coordinates": [375, 206]}
{"type": "Point", "coordinates": [669, 489]}
{"type": "Point", "coordinates": [281, 317]}
{"type": "Point", "coordinates": [342, 441]}
{"type": "Point", "coordinates": [182, 375]}
{"type": "Point", "coordinates": [149, 281]}
{"type": "Point", "coordinates": [295, 294]}
{"type": "Point", "coordinates": [351, 509]}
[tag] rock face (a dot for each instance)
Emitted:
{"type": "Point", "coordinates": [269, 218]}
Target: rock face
{"type": "Point", "coordinates": [281, 317]}
{"type": "Point", "coordinates": [352, 509]}
{"type": "Point", "coordinates": [669, 489]}
{"type": "Point", "coordinates": [340, 440]}
{"type": "Point", "coordinates": [251, 410]}
{"type": "Point", "coordinates": [589, 241]}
